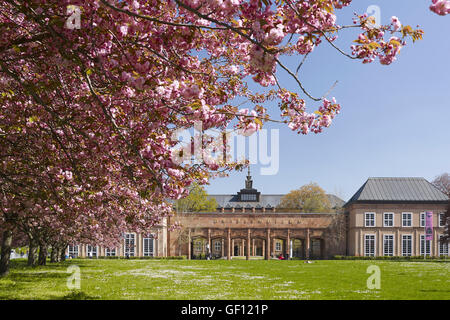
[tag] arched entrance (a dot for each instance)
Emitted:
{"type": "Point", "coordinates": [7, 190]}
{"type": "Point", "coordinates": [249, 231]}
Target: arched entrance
{"type": "Point", "coordinates": [279, 247]}
{"type": "Point", "coordinates": [217, 248]}
{"type": "Point", "coordinates": [199, 248]}
{"type": "Point", "coordinates": [258, 247]}
{"type": "Point", "coordinates": [297, 248]}
{"type": "Point", "coordinates": [239, 247]}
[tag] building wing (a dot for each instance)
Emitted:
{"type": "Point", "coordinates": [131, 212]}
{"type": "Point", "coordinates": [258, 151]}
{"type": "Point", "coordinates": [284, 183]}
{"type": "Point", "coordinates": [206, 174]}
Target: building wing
{"type": "Point", "coordinates": [398, 190]}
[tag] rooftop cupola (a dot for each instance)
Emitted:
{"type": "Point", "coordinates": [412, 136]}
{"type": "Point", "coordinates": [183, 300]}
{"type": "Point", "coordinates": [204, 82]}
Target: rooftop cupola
{"type": "Point", "coordinates": [248, 194]}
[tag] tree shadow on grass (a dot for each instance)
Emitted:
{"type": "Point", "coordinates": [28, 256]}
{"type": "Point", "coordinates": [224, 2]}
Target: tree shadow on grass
{"type": "Point", "coordinates": [78, 295]}
{"type": "Point", "coordinates": [40, 276]}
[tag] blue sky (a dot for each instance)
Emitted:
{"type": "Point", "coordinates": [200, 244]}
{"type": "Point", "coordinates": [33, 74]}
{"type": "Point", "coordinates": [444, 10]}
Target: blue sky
{"type": "Point", "coordinates": [394, 119]}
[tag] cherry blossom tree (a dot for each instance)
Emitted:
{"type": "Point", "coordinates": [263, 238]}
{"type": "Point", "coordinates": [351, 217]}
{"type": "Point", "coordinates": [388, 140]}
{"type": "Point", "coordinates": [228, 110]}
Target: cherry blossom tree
{"type": "Point", "coordinates": [93, 91]}
{"type": "Point", "coordinates": [440, 7]}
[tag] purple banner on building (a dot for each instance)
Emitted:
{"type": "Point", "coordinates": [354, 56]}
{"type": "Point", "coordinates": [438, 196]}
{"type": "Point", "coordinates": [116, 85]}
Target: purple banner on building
{"type": "Point", "coordinates": [429, 225]}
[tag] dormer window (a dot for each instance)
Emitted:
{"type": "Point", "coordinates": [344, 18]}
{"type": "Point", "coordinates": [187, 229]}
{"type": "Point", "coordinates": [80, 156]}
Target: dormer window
{"type": "Point", "coordinates": [248, 197]}
{"type": "Point", "coordinates": [248, 194]}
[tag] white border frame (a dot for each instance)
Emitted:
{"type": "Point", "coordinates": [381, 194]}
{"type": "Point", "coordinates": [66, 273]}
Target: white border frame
{"type": "Point", "coordinates": [393, 244]}
{"type": "Point", "coordinates": [384, 219]}
{"type": "Point", "coordinates": [411, 219]}
{"type": "Point", "coordinates": [401, 244]}
{"type": "Point", "coordinates": [374, 219]}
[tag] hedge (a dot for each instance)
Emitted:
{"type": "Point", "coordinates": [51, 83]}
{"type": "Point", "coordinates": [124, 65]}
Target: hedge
{"type": "Point", "coordinates": [395, 258]}
{"type": "Point", "coordinates": [139, 258]}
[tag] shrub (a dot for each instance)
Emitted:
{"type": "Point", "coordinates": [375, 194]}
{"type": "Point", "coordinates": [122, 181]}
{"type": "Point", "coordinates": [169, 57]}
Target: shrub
{"type": "Point", "coordinates": [389, 258]}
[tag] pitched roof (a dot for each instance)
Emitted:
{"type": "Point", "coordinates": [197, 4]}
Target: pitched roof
{"type": "Point", "coordinates": [266, 200]}
{"type": "Point", "coordinates": [232, 200]}
{"type": "Point", "coordinates": [398, 189]}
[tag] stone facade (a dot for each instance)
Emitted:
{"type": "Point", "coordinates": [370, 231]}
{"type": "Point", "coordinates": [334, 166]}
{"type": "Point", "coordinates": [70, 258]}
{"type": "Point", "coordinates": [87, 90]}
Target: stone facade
{"type": "Point", "coordinates": [266, 235]}
{"type": "Point", "coordinates": [358, 229]}
{"type": "Point", "coordinates": [385, 217]}
{"type": "Point", "coordinates": [133, 244]}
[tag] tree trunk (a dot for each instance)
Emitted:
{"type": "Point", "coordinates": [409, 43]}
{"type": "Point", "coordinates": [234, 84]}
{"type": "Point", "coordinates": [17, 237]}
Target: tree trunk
{"type": "Point", "coordinates": [42, 255]}
{"type": "Point", "coordinates": [62, 256]}
{"type": "Point", "coordinates": [54, 254]}
{"type": "Point", "coordinates": [32, 252]}
{"type": "Point", "coordinates": [58, 254]}
{"type": "Point", "coordinates": [6, 253]}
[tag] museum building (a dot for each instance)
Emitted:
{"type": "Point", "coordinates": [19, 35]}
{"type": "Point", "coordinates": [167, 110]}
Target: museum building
{"type": "Point", "coordinates": [385, 217]}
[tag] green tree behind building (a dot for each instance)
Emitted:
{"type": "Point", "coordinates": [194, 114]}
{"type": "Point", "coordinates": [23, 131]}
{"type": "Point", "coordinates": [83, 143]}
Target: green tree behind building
{"type": "Point", "coordinates": [196, 201]}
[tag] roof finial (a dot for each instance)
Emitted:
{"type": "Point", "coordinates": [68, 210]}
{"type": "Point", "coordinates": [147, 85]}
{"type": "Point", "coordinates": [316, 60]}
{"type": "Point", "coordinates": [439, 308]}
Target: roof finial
{"type": "Point", "coordinates": [248, 182]}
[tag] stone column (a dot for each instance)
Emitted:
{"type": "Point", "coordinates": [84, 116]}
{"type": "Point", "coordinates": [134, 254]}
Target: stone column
{"type": "Point", "coordinates": [229, 244]}
{"type": "Point", "coordinates": [288, 244]}
{"type": "Point", "coordinates": [308, 244]}
{"type": "Point", "coordinates": [416, 244]}
{"type": "Point", "coordinates": [361, 243]}
{"type": "Point", "coordinates": [268, 244]}
{"type": "Point", "coordinates": [435, 242]}
{"type": "Point", "coordinates": [156, 244]}
{"type": "Point", "coordinates": [397, 244]}
{"type": "Point", "coordinates": [169, 245]}
{"type": "Point", "coordinates": [253, 247]}
{"type": "Point", "coordinates": [380, 243]}
{"type": "Point", "coordinates": [138, 244]}
{"type": "Point", "coordinates": [248, 244]}
{"type": "Point", "coordinates": [264, 249]}
{"type": "Point", "coordinates": [209, 241]}
{"type": "Point", "coordinates": [356, 243]}
{"type": "Point", "coordinates": [189, 244]}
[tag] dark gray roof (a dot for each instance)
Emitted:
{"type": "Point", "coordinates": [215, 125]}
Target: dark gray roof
{"type": "Point", "coordinates": [398, 189]}
{"type": "Point", "coordinates": [264, 213]}
{"type": "Point", "coordinates": [231, 200]}
{"type": "Point", "coordinates": [266, 201]}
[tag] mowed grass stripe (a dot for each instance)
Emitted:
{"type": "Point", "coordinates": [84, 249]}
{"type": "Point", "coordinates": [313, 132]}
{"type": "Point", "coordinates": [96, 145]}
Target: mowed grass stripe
{"type": "Point", "coordinates": [221, 279]}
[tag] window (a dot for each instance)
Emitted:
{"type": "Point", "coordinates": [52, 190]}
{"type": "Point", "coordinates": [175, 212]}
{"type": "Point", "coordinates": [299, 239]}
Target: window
{"type": "Point", "coordinates": [388, 245]}
{"type": "Point", "coordinates": [406, 245]}
{"type": "Point", "coordinates": [73, 251]}
{"type": "Point", "coordinates": [441, 219]}
{"type": "Point", "coordinates": [130, 239]}
{"type": "Point", "coordinates": [406, 219]}
{"type": "Point", "coordinates": [248, 197]}
{"type": "Point", "coordinates": [278, 246]}
{"type": "Point", "coordinates": [369, 219]}
{"type": "Point", "coordinates": [388, 219]}
{"type": "Point", "coordinates": [149, 245]}
{"type": "Point", "coordinates": [425, 244]}
{"type": "Point", "coordinates": [217, 245]}
{"type": "Point", "coordinates": [443, 247]}
{"type": "Point", "coordinates": [422, 219]}
{"type": "Point", "coordinates": [91, 251]}
{"type": "Point", "coordinates": [110, 252]}
{"type": "Point", "coordinates": [369, 245]}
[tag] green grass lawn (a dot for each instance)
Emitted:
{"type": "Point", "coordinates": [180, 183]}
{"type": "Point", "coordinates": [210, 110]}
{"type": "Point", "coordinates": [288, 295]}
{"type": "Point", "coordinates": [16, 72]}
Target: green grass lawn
{"type": "Point", "coordinates": [221, 279]}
